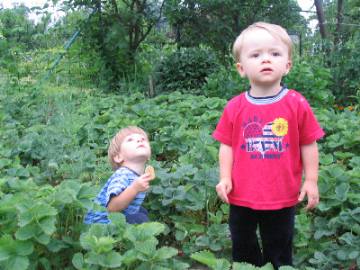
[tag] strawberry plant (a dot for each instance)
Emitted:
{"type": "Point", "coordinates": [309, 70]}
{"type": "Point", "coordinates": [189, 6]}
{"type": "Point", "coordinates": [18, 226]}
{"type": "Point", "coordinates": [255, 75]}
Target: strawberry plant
{"type": "Point", "coordinates": [53, 144]}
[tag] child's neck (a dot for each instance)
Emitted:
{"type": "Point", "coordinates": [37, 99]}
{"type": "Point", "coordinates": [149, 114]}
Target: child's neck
{"type": "Point", "coordinates": [264, 91]}
{"type": "Point", "coordinates": [135, 166]}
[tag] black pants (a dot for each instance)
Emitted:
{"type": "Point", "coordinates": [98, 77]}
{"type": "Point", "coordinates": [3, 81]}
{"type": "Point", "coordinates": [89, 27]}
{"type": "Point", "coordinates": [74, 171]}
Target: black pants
{"type": "Point", "coordinates": [276, 231]}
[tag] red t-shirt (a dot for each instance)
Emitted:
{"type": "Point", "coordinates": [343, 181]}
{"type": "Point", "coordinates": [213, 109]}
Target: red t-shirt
{"type": "Point", "coordinates": [265, 135]}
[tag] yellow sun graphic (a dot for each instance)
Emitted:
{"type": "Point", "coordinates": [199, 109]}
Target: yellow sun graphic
{"type": "Point", "coordinates": [280, 127]}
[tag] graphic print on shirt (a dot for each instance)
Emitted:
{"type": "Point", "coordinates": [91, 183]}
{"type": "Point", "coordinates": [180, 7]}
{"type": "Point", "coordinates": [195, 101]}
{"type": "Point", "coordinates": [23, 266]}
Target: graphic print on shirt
{"type": "Point", "coordinates": [265, 141]}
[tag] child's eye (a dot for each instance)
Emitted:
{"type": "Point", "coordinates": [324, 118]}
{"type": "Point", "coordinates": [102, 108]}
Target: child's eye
{"type": "Point", "coordinates": [254, 55]}
{"type": "Point", "coordinates": [276, 54]}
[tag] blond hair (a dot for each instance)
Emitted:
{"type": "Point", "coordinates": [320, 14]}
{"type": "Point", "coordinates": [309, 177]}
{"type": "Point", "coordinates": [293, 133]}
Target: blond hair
{"type": "Point", "coordinates": [117, 140]}
{"type": "Point", "coordinates": [275, 30]}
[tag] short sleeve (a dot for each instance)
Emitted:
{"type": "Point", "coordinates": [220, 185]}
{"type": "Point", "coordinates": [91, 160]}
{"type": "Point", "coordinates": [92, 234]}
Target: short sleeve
{"type": "Point", "coordinates": [309, 127]}
{"type": "Point", "coordinates": [224, 128]}
{"type": "Point", "coordinates": [117, 184]}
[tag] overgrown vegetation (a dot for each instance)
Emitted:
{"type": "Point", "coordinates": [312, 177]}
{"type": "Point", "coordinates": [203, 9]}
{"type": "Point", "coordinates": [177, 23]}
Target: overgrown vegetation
{"type": "Point", "coordinates": [54, 133]}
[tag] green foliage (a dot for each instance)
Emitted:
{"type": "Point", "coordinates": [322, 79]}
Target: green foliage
{"type": "Point", "coordinates": [127, 246]}
{"type": "Point", "coordinates": [209, 259]}
{"type": "Point", "coordinates": [313, 81]}
{"type": "Point", "coordinates": [225, 83]}
{"type": "Point", "coordinates": [115, 33]}
{"type": "Point", "coordinates": [345, 69]}
{"type": "Point", "coordinates": [14, 254]}
{"type": "Point", "coordinates": [217, 23]}
{"type": "Point", "coordinates": [185, 70]}
{"type": "Point", "coordinates": [335, 226]}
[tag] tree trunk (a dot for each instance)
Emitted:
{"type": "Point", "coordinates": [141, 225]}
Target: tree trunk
{"type": "Point", "coordinates": [321, 17]}
{"type": "Point", "coordinates": [339, 20]}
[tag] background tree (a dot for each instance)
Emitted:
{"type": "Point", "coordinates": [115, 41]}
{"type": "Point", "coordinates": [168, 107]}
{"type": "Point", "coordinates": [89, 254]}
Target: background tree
{"type": "Point", "coordinates": [116, 31]}
{"type": "Point", "coordinates": [341, 40]}
{"type": "Point", "coordinates": [217, 23]}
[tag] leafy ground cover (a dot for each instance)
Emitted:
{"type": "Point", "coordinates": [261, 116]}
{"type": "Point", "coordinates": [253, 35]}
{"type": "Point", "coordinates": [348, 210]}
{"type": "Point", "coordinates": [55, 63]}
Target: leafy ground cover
{"type": "Point", "coordinates": [53, 161]}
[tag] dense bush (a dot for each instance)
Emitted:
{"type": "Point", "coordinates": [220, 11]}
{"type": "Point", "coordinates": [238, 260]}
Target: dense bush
{"type": "Point", "coordinates": [225, 83]}
{"type": "Point", "coordinates": [345, 69]}
{"type": "Point", "coordinates": [313, 81]}
{"type": "Point", "coordinates": [185, 70]}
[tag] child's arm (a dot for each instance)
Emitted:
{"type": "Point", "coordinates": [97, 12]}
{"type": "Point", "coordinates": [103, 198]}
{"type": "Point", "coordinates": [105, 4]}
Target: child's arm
{"type": "Point", "coordinates": [121, 201]}
{"type": "Point", "coordinates": [310, 160]}
{"type": "Point", "coordinates": [226, 163]}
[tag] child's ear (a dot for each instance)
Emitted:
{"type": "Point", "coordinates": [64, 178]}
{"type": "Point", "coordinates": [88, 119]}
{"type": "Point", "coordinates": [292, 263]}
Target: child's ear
{"type": "Point", "coordinates": [240, 69]}
{"type": "Point", "coordinates": [118, 159]}
{"type": "Point", "coordinates": [288, 67]}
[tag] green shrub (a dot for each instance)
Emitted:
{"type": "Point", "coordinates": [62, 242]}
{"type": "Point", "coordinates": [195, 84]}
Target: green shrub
{"type": "Point", "coordinates": [345, 69]}
{"type": "Point", "coordinates": [313, 81]}
{"type": "Point", "coordinates": [225, 83]}
{"type": "Point", "coordinates": [185, 70]}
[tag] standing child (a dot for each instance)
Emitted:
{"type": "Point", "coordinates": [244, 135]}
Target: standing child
{"type": "Point", "coordinates": [268, 138]}
{"type": "Point", "coordinates": [125, 190]}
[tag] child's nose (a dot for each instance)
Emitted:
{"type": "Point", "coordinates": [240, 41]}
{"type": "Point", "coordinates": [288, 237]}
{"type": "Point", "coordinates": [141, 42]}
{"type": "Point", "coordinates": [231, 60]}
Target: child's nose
{"type": "Point", "coordinates": [265, 57]}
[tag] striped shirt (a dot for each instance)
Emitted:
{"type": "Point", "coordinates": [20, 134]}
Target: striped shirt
{"type": "Point", "coordinates": [117, 183]}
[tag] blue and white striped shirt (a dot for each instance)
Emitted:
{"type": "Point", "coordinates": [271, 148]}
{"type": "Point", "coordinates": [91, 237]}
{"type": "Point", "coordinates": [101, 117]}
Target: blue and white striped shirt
{"type": "Point", "coordinates": [117, 183]}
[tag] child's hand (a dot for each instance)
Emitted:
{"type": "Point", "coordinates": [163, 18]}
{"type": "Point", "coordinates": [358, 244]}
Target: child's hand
{"type": "Point", "coordinates": [142, 183]}
{"type": "Point", "coordinates": [223, 189]}
{"type": "Point", "coordinates": [310, 189]}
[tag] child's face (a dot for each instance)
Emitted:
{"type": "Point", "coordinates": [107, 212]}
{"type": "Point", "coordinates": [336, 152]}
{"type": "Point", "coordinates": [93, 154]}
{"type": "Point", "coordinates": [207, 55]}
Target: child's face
{"type": "Point", "coordinates": [264, 59]}
{"type": "Point", "coordinates": [134, 148]}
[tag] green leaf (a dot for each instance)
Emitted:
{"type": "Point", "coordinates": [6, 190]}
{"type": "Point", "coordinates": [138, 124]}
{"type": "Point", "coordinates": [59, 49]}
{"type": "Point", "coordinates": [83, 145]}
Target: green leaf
{"type": "Point", "coordinates": [43, 239]}
{"type": "Point", "coordinates": [353, 254]}
{"type": "Point", "coordinates": [244, 266]}
{"type": "Point", "coordinates": [341, 191]}
{"type": "Point", "coordinates": [286, 268]}
{"type": "Point", "coordinates": [23, 248]}
{"type": "Point", "coordinates": [204, 257]}
{"type": "Point", "coordinates": [180, 235]}
{"type": "Point", "coordinates": [17, 262]}
{"type": "Point", "coordinates": [104, 244]}
{"type": "Point", "coordinates": [118, 219]}
{"type": "Point", "coordinates": [36, 213]}
{"type": "Point", "coordinates": [221, 264]}
{"type": "Point", "coordinates": [129, 257]}
{"type": "Point", "coordinates": [341, 255]}
{"type": "Point", "coordinates": [10, 247]}
{"type": "Point", "coordinates": [4, 253]}
{"type": "Point", "coordinates": [143, 231]}
{"type": "Point", "coordinates": [202, 241]}
{"type": "Point", "coordinates": [87, 241]}
{"type": "Point", "coordinates": [78, 260]}
{"type": "Point", "coordinates": [45, 263]}
{"type": "Point", "coordinates": [56, 245]}
{"type": "Point", "coordinates": [26, 232]}
{"type": "Point", "coordinates": [165, 253]}
{"type": "Point", "coordinates": [147, 248]}
{"type": "Point", "coordinates": [326, 159]}
{"type": "Point", "coordinates": [111, 260]}
{"type": "Point", "coordinates": [47, 225]}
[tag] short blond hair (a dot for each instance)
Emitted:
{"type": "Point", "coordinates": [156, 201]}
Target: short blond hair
{"type": "Point", "coordinates": [275, 30]}
{"type": "Point", "coordinates": [117, 140]}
